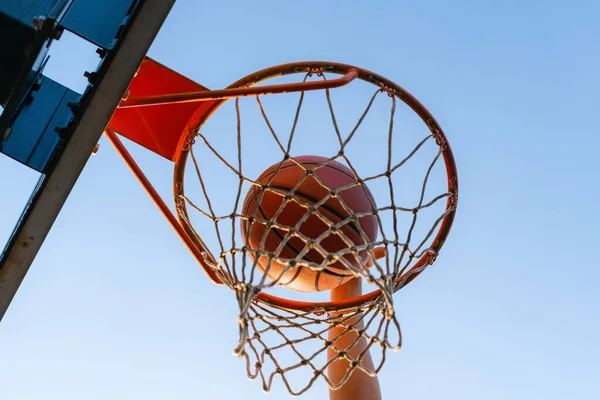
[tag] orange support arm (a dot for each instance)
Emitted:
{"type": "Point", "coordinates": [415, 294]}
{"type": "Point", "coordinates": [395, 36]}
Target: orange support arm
{"type": "Point", "coordinates": [157, 199]}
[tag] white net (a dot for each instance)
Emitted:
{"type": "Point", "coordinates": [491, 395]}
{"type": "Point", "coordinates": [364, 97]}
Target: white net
{"type": "Point", "coordinates": [412, 196]}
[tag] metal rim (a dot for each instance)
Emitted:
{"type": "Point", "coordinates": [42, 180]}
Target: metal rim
{"type": "Point", "coordinates": [205, 111]}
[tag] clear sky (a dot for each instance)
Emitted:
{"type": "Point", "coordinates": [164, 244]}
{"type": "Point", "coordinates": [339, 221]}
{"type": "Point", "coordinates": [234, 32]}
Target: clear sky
{"type": "Point", "coordinates": [114, 307]}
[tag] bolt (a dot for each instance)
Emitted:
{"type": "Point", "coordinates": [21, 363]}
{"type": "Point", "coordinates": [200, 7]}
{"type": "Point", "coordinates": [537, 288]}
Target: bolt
{"type": "Point", "coordinates": [38, 22]}
{"type": "Point", "coordinates": [101, 52]}
{"type": "Point", "coordinates": [62, 132]}
{"type": "Point", "coordinates": [91, 76]}
{"type": "Point", "coordinates": [7, 133]}
{"type": "Point", "coordinates": [37, 85]}
{"type": "Point", "coordinates": [58, 33]}
{"type": "Point", "coordinates": [74, 106]}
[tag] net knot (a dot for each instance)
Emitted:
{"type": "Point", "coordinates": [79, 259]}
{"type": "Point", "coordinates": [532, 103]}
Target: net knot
{"type": "Point", "coordinates": [453, 200]}
{"type": "Point", "coordinates": [453, 192]}
{"type": "Point", "coordinates": [388, 90]}
{"type": "Point", "coordinates": [191, 140]}
{"type": "Point", "coordinates": [319, 312]}
{"type": "Point", "coordinates": [431, 256]}
{"type": "Point", "coordinates": [315, 71]}
{"type": "Point", "coordinates": [436, 134]}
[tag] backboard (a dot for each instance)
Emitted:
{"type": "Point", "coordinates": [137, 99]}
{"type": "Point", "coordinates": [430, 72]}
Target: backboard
{"type": "Point", "coordinates": [50, 128]}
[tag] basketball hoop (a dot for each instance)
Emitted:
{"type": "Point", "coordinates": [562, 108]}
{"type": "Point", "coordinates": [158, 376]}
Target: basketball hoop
{"type": "Point", "coordinates": [388, 263]}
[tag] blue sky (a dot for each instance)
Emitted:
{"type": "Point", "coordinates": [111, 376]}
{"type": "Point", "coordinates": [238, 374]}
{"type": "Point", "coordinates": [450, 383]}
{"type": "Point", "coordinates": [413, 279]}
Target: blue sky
{"type": "Point", "coordinates": [114, 307]}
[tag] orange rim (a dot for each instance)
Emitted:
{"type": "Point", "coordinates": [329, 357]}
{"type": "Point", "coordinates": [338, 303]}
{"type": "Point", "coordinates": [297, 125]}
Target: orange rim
{"type": "Point", "coordinates": [206, 110]}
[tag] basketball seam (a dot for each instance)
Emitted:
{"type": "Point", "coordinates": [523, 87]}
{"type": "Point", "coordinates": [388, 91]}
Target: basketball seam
{"type": "Point", "coordinates": [307, 163]}
{"type": "Point", "coordinates": [351, 224]}
{"type": "Point", "coordinates": [293, 248]}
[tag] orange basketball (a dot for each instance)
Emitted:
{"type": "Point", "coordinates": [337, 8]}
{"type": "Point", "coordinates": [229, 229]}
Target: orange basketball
{"type": "Point", "coordinates": [281, 182]}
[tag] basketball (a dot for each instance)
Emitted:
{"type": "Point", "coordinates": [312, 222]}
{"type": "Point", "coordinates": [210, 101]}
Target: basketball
{"type": "Point", "coordinates": [262, 205]}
